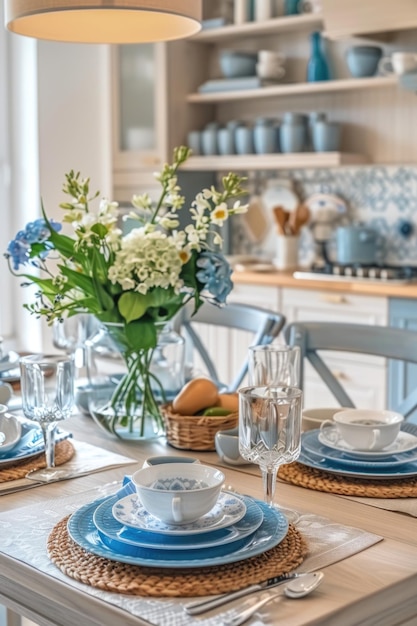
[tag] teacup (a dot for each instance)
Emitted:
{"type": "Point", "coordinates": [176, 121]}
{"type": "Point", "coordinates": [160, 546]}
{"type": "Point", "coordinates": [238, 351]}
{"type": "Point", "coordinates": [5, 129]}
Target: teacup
{"type": "Point", "coordinates": [365, 429]}
{"type": "Point", "coordinates": [398, 63]}
{"type": "Point", "coordinates": [313, 418]}
{"type": "Point", "coordinates": [178, 493]}
{"type": "Point", "coordinates": [227, 446]}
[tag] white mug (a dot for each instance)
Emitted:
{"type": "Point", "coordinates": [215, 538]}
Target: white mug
{"type": "Point", "coordinates": [398, 63]}
{"type": "Point", "coordinates": [364, 429]}
{"type": "Point", "coordinates": [271, 56]}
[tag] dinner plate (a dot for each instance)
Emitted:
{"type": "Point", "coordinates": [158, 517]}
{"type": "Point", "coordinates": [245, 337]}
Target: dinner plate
{"type": "Point", "coordinates": [122, 538]}
{"type": "Point", "coordinates": [310, 443]}
{"type": "Point", "coordinates": [368, 470]}
{"type": "Point", "coordinates": [228, 510]}
{"type": "Point", "coordinates": [403, 443]}
{"type": "Point", "coordinates": [270, 533]}
{"type": "Point", "coordinates": [31, 444]}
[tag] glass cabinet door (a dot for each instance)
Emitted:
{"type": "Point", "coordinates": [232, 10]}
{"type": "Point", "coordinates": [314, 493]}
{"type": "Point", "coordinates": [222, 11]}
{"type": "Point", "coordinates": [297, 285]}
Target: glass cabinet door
{"type": "Point", "coordinates": [139, 131]}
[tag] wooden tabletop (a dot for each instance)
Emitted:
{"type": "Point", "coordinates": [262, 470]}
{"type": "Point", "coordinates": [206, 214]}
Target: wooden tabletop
{"type": "Point", "coordinates": [376, 587]}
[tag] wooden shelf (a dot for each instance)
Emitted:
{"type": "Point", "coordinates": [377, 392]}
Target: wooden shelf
{"type": "Point", "coordinates": [308, 21]}
{"type": "Point", "coordinates": [273, 91]}
{"type": "Point", "coordinates": [297, 160]}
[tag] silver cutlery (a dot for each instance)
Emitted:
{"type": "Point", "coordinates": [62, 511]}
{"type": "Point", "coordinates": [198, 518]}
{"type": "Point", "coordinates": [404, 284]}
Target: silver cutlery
{"type": "Point", "coordinates": [295, 589]}
{"type": "Point", "coordinates": [201, 606]}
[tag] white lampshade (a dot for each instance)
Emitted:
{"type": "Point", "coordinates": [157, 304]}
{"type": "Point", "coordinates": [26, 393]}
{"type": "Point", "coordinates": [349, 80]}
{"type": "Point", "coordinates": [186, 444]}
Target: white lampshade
{"type": "Point", "coordinates": [104, 21]}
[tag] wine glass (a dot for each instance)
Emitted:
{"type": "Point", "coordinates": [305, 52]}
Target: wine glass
{"type": "Point", "coordinates": [269, 430]}
{"type": "Point", "coordinates": [274, 364]}
{"type": "Point", "coordinates": [47, 387]}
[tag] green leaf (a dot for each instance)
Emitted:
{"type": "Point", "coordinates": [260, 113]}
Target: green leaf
{"type": "Point", "coordinates": [78, 280]}
{"type": "Point", "coordinates": [141, 335]}
{"type": "Point", "coordinates": [133, 305]}
{"type": "Point", "coordinates": [100, 230]}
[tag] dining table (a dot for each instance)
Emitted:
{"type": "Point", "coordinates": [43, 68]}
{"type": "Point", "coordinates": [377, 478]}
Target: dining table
{"type": "Point", "coordinates": [371, 586]}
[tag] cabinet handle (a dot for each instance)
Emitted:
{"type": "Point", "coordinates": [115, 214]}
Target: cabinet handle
{"type": "Point", "coordinates": [340, 376]}
{"type": "Point", "coordinates": [334, 299]}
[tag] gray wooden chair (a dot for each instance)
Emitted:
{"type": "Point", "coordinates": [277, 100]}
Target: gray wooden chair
{"type": "Point", "coordinates": [388, 342]}
{"type": "Point", "coordinates": [265, 326]}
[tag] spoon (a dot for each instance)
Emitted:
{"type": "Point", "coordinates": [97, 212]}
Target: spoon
{"type": "Point", "coordinates": [297, 588]}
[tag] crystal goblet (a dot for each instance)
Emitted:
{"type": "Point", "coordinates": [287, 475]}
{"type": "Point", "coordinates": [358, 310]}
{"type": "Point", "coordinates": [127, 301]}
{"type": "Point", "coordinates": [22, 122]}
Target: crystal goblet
{"type": "Point", "coordinates": [274, 364]}
{"type": "Point", "coordinates": [47, 387]}
{"type": "Point", "coordinates": [270, 430]}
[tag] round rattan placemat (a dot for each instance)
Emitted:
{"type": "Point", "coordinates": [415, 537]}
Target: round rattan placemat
{"type": "Point", "coordinates": [118, 577]}
{"type": "Point", "coordinates": [64, 451]}
{"type": "Point", "coordinates": [311, 478]}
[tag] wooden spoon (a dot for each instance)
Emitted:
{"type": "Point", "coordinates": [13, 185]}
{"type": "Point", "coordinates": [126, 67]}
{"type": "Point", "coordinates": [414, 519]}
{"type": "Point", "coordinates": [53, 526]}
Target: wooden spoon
{"type": "Point", "coordinates": [298, 218]}
{"type": "Point", "coordinates": [281, 219]}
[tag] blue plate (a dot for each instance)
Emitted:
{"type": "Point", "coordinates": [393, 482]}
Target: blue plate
{"type": "Point", "coordinates": [109, 528]}
{"type": "Point", "coordinates": [30, 444]}
{"type": "Point", "coordinates": [270, 533]}
{"type": "Point", "coordinates": [311, 445]}
{"type": "Point", "coordinates": [362, 470]}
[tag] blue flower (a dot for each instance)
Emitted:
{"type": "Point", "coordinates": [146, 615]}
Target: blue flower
{"type": "Point", "coordinates": [215, 274]}
{"type": "Point", "coordinates": [19, 248]}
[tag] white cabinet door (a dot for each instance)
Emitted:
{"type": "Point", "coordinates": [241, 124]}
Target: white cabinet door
{"type": "Point", "coordinates": [364, 377]}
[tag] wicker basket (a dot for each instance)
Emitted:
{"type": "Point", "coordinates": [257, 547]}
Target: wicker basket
{"type": "Point", "coordinates": [195, 432]}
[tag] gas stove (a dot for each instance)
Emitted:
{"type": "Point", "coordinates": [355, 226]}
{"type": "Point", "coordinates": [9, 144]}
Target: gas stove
{"type": "Point", "coordinates": [374, 273]}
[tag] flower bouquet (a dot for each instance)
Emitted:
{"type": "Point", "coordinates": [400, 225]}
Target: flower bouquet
{"type": "Point", "coordinates": [132, 283]}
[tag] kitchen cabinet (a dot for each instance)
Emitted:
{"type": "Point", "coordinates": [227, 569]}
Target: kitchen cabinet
{"type": "Point", "coordinates": [402, 377]}
{"type": "Point", "coordinates": [364, 377]}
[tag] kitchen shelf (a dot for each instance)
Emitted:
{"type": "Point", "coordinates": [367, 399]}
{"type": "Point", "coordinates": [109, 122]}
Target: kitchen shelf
{"type": "Point", "coordinates": [297, 160]}
{"type": "Point", "coordinates": [309, 21]}
{"type": "Point", "coordinates": [273, 91]}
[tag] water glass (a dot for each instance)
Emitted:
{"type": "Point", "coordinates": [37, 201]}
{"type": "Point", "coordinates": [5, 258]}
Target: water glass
{"type": "Point", "coordinates": [270, 430]}
{"type": "Point", "coordinates": [47, 383]}
{"type": "Point", "coordinates": [274, 364]}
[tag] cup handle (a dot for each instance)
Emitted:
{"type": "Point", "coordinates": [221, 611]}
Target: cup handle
{"type": "Point", "coordinates": [375, 435]}
{"type": "Point", "coordinates": [176, 509]}
{"type": "Point", "coordinates": [385, 66]}
{"type": "Point", "coordinates": [333, 435]}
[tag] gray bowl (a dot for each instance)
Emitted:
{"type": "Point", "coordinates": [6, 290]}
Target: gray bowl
{"type": "Point", "coordinates": [363, 61]}
{"type": "Point", "coordinates": [235, 64]}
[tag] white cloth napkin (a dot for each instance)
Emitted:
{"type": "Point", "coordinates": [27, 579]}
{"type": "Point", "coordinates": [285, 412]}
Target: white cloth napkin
{"type": "Point", "coordinates": [86, 460]}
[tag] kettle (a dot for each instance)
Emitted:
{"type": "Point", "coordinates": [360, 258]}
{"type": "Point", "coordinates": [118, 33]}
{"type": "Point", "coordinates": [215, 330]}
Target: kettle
{"type": "Point", "coordinates": [357, 244]}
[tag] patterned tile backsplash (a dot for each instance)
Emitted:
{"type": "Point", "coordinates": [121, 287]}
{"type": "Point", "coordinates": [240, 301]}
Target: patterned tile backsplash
{"type": "Point", "coordinates": [382, 197]}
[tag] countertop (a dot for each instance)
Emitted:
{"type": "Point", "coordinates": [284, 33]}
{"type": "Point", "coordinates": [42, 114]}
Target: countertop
{"type": "Point", "coordinates": [361, 287]}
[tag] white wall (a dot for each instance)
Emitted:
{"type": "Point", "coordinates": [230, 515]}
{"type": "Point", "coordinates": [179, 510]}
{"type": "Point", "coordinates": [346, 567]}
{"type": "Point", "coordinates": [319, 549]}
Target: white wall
{"type": "Point", "coordinates": [61, 120]}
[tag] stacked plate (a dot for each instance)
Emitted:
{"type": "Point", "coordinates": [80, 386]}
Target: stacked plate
{"type": "Point", "coordinates": [30, 444]}
{"type": "Point", "coordinates": [398, 460]}
{"type": "Point", "coordinates": [120, 529]}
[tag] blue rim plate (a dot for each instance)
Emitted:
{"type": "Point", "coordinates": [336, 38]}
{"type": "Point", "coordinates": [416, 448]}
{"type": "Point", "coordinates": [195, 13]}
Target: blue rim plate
{"type": "Point", "coordinates": [270, 533]}
{"type": "Point", "coordinates": [311, 443]}
{"type": "Point", "coordinates": [30, 444]}
{"type": "Point", "coordinates": [228, 510]}
{"type": "Point", "coordinates": [108, 527]}
{"type": "Point", "coordinates": [369, 470]}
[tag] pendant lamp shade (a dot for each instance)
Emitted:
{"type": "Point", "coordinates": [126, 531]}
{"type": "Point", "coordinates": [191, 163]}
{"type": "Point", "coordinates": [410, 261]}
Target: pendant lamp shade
{"type": "Point", "coordinates": [104, 21]}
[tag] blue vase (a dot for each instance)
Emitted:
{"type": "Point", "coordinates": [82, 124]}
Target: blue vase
{"type": "Point", "coordinates": [318, 67]}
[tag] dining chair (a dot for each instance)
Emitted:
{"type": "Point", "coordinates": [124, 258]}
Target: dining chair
{"type": "Point", "coordinates": [263, 325]}
{"type": "Point", "coordinates": [391, 343]}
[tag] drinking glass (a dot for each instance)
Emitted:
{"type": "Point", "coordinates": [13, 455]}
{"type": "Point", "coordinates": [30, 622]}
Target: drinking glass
{"type": "Point", "coordinates": [47, 386]}
{"type": "Point", "coordinates": [269, 430]}
{"type": "Point", "coordinates": [274, 364]}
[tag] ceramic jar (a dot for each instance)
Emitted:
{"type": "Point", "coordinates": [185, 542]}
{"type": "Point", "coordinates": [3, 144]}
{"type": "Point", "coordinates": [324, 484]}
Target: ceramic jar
{"type": "Point", "coordinates": [293, 133]}
{"type": "Point", "coordinates": [265, 136]}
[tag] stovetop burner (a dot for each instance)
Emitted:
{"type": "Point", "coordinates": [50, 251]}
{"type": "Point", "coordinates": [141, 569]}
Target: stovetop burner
{"type": "Point", "coordinates": [379, 273]}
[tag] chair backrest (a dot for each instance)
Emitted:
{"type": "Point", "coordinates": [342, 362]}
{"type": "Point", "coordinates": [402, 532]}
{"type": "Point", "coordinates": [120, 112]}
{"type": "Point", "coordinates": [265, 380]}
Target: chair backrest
{"type": "Point", "coordinates": [391, 343]}
{"type": "Point", "coordinates": [264, 324]}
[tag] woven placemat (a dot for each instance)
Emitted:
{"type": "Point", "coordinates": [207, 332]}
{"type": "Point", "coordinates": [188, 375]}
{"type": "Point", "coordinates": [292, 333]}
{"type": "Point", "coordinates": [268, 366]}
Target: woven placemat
{"type": "Point", "coordinates": [118, 577]}
{"type": "Point", "coordinates": [319, 480]}
{"type": "Point", "coordinates": [64, 451]}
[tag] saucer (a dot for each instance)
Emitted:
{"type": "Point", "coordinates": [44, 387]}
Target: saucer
{"type": "Point", "coordinates": [228, 510]}
{"type": "Point", "coordinates": [403, 443]}
{"type": "Point", "coordinates": [10, 432]}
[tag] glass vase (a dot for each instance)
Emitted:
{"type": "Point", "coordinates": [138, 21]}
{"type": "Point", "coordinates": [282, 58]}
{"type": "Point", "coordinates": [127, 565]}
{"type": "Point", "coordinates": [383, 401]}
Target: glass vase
{"type": "Point", "coordinates": [126, 387]}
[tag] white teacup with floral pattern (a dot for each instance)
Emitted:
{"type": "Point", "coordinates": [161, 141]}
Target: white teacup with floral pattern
{"type": "Point", "coordinates": [364, 429]}
{"type": "Point", "coordinates": [178, 493]}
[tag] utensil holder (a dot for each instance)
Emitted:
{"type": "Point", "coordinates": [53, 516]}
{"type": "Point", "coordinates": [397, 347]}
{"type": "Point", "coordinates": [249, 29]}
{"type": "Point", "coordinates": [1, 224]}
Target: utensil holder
{"type": "Point", "coordinates": [287, 252]}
